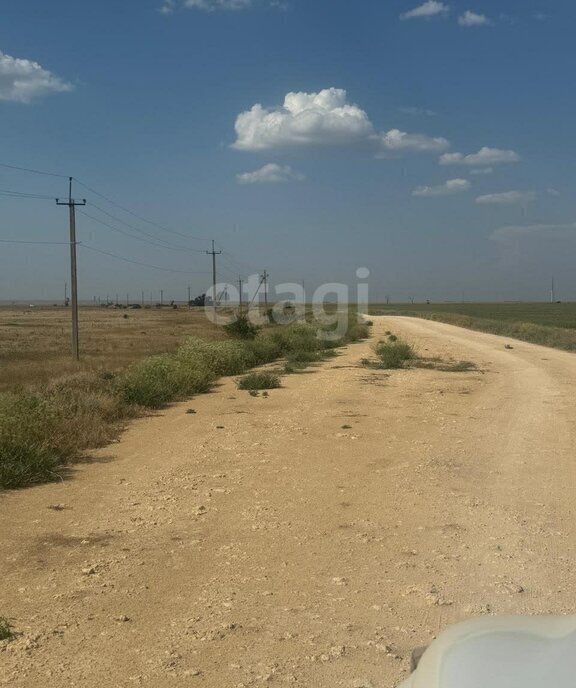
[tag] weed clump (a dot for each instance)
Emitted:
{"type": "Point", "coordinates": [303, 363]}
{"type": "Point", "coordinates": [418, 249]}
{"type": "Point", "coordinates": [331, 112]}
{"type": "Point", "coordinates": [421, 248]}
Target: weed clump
{"type": "Point", "coordinates": [394, 354]}
{"type": "Point", "coordinates": [6, 632]}
{"type": "Point", "coordinates": [259, 380]}
{"type": "Point", "coordinates": [157, 380]}
{"type": "Point", "coordinates": [241, 328]}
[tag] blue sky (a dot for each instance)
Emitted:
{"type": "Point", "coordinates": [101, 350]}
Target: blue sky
{"type": "Point", "coordinates": [430, 142]}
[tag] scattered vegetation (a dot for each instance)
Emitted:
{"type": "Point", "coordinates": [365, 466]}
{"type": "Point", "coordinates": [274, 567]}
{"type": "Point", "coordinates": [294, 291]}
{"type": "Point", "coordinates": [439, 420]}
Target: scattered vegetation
{"type": "Point", "coordinates": [547, 324]}
{"type": "Point", "coordinates": [44, 428]}
{"type": "Point", "coordinates": [6, 632]}
{"type": "Point", "coordinates": [242, 328]}
{"type": "Point", "coordinates": [393, 354]}
{"type": "Point", "coordinates": [259, 380]}
{"type": "Point", "coordinates": [445, 366]}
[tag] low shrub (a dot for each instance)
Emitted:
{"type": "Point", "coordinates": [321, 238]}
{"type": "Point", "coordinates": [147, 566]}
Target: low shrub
{"type": "Point", "coordinates": [259, 380]}
{"type": "Point", "coordinates": [394, 354]}
{"type": "Point", "coordinates": [157, 380]}
{"type": "Point", "coordinates": [6, 632]}
{"type": "Point", "coordinates": [241, 328]}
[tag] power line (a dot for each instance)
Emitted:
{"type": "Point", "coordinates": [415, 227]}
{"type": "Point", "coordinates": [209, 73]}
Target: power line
{"type": "Point", "coordinates": [136, 262]}
{"type": "Point", "coordinates": [168, 244]}
{"type": "Point", "coordinates": [23, 194]}
{"type": "Point", "coordinates": [28, 169]}
{"type": "Point", "coordinates": [134, 236]}
{"type": "Point", "coordinates": [139, 217]}
{"type": "Point", "coordinates": [18, 241]}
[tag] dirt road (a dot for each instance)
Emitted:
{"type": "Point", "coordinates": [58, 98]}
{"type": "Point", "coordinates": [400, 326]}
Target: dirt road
{"type": "Point", "coordinates": [308, 538]}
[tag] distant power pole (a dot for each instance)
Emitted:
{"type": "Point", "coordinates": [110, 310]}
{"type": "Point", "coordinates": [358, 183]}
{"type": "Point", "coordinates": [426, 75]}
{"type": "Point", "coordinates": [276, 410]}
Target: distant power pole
{"type": "Point", "coordinates": [142, 294]}
{"type": "Point", "coordinates": [65, 293]}
{"type": "Point", "coordinates": [265, 276]}
{"type": "Point", "coordinates": [213, 253]}
{"type": "Point", "coordinates": [552, 293]}
{"type": "Point", "coordinates": [161, 297]}
{"type": "Point", "coordinates": [71, 203]}
{"type": "Point", "coordinates": [127, 300]}
{"type": "Point", "coordinates": [240, 282]}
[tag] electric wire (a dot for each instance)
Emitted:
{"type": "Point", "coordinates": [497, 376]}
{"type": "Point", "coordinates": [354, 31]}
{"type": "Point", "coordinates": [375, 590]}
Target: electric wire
{"type": "Point", "coordinates": [136, 262]}
{"type": "Point", "coordinates": [28, 169]}
{"type": "Point", "coordinates": [139, 217]}
{"type": "Point", "coordinates": [133, 236]}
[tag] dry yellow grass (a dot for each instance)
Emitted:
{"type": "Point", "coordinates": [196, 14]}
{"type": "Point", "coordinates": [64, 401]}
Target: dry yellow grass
{"type": "Point", "coordinates": [35, 343]}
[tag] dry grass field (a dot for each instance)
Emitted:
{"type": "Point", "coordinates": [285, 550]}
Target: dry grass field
{"type": "Point", "coordinates": [35, 343]}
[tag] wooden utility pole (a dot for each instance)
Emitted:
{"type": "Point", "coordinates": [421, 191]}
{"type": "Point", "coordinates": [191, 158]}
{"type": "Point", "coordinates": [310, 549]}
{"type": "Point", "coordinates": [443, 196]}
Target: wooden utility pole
{"type": "Point", "coordinates": [189, 306]}
{"type": "Point", "coordinates": [213, 253]}
{"type": "Point", "coordinates": [265, 281]}
{"type": "Point", "coordinates": [71, 203]}
{"type": "Point", "coordinates": [240, 283]}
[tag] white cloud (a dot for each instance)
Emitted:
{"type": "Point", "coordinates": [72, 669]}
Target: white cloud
{"type": "Point", "coordinates": [270, 174]}
{"type": "Point", "coordinates": [431, 8]}
{"type": "Point", "coordinates": [514, 233]}
{"type": "Point", "coordinates": [23, 81]}
{"type": "Point", "coordinates": [451, 187]}
{"type": "Point", "coordinates": [484, 157]}
{"type": "Point", "coordinates": [553, 192]}
{"type": "Point", "coordinates": [472, 19]}
{"type": "Point", "coordinates": [168, 7]}
{"type": "Point", "coordinates": [323, 119]}
{"type": "Point", "coordinates": [399, 141]}
{"type": "Point", "coordinates": [507, 198]}
{"type": "Point", "coordinates": [482, 170]}
{"type": "Point", "coordinates": [212, 5]}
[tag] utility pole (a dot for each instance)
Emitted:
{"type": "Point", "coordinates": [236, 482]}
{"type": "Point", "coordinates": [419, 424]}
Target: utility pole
{"type": "Point", "coordinates": [552, 293]}
{"type": "Point", "coordinates": [127, 300]}
{"type": "Point", "coordinates": [265, 281]}
{"type": "Point", "coordinates": [161, 297]}
{"type": "Point", "coordinates": [71, 203]}
{"type": "Point", "coordinates": [240, 282]}
{"type": "Point", "coordinates": [189, 297]}
{"type": "Point", "coordinates": [213, 253]}
{"type": "Point", "coordinates": [142, 295]}
{"type": "Point", "coordinates": [65, 293]}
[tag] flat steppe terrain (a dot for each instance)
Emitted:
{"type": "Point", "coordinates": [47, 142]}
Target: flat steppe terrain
{"type": "Point", "coordinates": [312, 537]}
{"type": "Point", "coordinates": [35, 343]}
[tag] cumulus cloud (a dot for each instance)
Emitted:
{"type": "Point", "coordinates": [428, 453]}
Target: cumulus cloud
{"type": "Point", "coordinates": [449, 188]}
{"type": "Point", "coordinates": [399, 141]}
{"type": "Point", "coordinates": [507, 198]}
{"type": "Point", "coordinates": [472, 19]}
{"type": "Point", "coordinates": [323, 119]}
{"type": "Point", "coordinates": [270, 174]}
{"type": "Point", "coordinates": [514, 233]}
{"type": "Point", "coordinates": [484, 157]}
{"type": "Point", "coordinates": [24, 81]}
{"type": "Point", "coordinates": [431, 8]}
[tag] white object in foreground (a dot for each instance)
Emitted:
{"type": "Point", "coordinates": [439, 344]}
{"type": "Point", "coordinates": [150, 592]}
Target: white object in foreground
{"type": "Point", "coordinates": [501, 652]}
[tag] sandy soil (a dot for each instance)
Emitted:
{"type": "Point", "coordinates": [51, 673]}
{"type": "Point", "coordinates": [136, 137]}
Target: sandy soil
{"type": "Point", "coordinates": [311, 537]}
